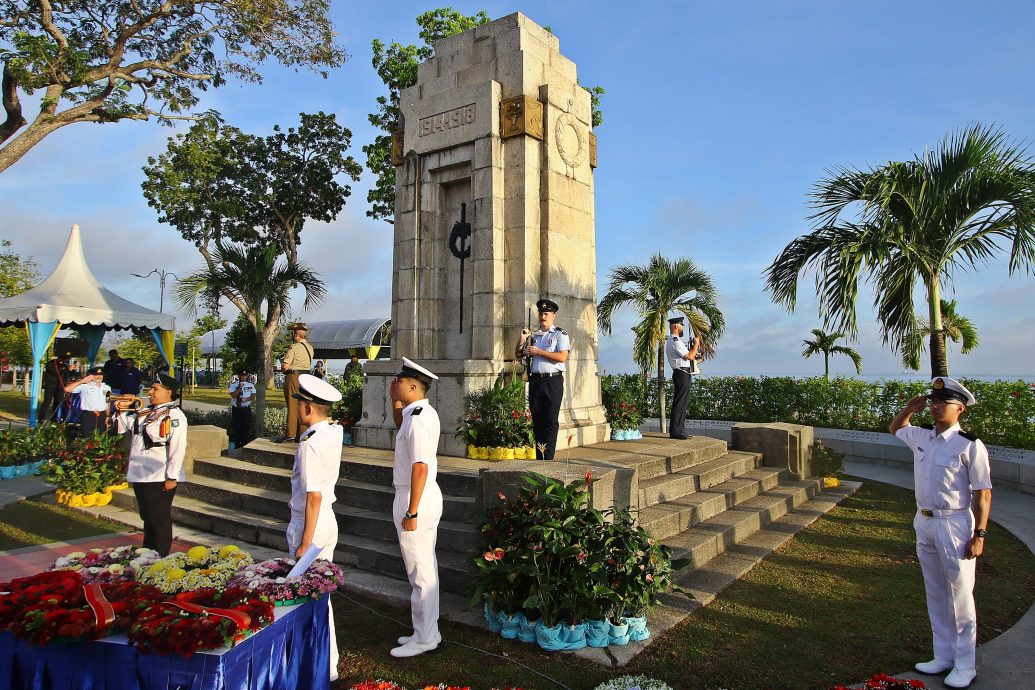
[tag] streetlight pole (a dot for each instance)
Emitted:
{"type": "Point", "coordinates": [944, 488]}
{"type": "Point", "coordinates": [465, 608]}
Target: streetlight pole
{"type": "Point", "coordinates": [162, 275]}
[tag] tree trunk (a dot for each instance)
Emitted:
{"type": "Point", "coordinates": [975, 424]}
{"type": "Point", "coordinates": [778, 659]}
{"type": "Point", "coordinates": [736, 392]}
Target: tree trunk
{"type": "Point", "coordinates": [661, 386]}
{"type": "Point", "coordinates": [939, 357]}
{"type": "Point", "coordinates": [826, 364]}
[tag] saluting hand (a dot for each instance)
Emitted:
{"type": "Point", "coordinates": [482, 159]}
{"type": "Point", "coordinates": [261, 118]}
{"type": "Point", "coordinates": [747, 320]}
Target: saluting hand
{"type": "Point", "coordinates": [916, 404]}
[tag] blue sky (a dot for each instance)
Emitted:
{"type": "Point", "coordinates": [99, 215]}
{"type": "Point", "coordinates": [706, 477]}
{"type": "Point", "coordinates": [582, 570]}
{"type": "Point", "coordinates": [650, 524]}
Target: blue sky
{"type": "Point", "coordinates": [718, 118]}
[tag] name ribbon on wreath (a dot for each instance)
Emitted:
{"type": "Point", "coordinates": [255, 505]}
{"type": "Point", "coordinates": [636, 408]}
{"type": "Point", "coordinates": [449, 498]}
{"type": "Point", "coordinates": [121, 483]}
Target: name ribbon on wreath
{"type": "Point", "coordinates": [103, 612]}
{"type": "Point", "coordinates": [242, 619]}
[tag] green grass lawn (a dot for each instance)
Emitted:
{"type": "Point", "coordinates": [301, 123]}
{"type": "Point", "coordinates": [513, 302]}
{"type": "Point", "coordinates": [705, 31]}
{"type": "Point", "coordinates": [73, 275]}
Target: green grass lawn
{"type": "Point", "coordinates": [13, 405]}
{"type": "Point", "coordinates": [31, 523]}
{"type": "Point", "coordinates": [841, 601]}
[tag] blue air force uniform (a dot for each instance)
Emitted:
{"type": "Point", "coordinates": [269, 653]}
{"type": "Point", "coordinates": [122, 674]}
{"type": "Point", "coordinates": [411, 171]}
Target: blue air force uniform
{"type": "Point", "coordinates": [546, 384]}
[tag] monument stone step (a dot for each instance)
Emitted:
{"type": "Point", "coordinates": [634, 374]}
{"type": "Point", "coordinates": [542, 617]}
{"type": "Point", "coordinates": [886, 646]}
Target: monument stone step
{"type": "Point", "coordinates": [696, 477]}
{"type": "Point", "coordinates": [672, 517]}
{"type": "Point", "coordinates": [654, 455]}
{"type": "Point", "coordinates": [713, 536]}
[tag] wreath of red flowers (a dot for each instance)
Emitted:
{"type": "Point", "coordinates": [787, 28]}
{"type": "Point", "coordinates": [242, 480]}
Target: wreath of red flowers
{"type": "Point", "coordinates": [56, 605]}
{"type": "Point", "coordinates": [199, 620]}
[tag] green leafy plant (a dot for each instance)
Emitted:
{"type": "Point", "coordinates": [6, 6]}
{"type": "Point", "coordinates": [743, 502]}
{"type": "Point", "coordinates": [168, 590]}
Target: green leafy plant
{"type": "Point", "coordinates": [21, 446]}
{"type": "Point", "coordinates": [826, 462]}
{"type": "Point", "coordinates": [623, 397]}
{"type": "Point", "coordinates": [497, 416]}
{"type": "Point", "coordinates": [87, 465]}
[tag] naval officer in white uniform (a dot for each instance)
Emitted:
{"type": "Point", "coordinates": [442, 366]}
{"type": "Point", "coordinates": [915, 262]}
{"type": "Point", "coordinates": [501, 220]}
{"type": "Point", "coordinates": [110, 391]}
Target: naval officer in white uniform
{"type": "Point", "coordinates": [953, 496]}
{"type": "Point", "coordinates": [313, 478]}
{"type": "Point", "coordinates": [683, 361]}
{"type": "Point", "coordinates": [418, 501]}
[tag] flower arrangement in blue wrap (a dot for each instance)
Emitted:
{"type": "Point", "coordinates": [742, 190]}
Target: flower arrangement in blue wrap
{"type": "Point", "coordinates": [561, 573]}
{"type": "Point", "coordinates": [621, 398]}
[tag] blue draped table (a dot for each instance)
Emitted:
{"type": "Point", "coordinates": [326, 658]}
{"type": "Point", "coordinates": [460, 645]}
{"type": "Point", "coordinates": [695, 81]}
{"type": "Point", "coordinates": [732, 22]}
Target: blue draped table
{"type": "Point", "coordinates": [291, 653]}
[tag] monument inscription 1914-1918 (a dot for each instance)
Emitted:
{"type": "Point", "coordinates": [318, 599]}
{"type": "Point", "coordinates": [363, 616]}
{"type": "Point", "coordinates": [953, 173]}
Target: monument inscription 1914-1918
{"type": "Point", "coordinates": [497, 125]}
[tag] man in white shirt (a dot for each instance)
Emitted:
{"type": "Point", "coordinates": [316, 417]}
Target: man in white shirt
{"type": "Point", "coordinates": [953, 489]}
{"type": "Point", "coordinates": [548, 351]}
{"type": "Point", "coordinates": [418, 502]}
{"type": "Point", "coordinates": [242, 393]}
{"type": "Point", "coordinates": [93, 401]}
{"type": "Point", "coordinates": [683, 363]}
{"type": "Point", "coordinates": [158, 444]}
{"type": "Point", "coordinates": [313, 478]}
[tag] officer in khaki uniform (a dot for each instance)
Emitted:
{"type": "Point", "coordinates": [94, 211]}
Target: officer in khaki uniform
{"type": "Point", "coordinates": [297, 360]}
{"type": "Point", "coordinates": [953, 490]}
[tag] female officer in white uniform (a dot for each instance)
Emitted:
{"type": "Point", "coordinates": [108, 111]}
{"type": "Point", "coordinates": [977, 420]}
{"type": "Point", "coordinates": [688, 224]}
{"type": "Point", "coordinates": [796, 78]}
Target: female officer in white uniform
{"type": "Point", "coordinates": [157, 446]}
{"type": "Point", "coordinates": [418, 502]}
{"type": "Point", "coordinates": [953, 496]}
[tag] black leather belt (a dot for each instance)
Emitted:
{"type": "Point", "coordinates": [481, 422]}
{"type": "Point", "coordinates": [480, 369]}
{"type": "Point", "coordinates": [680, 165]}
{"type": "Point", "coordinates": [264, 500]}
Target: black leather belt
{"type": "Point", "coordinates": [548, 374]}
{"type": "Point", "coordinates": [926, 513]}
{"type": "Point", "coordinates": [94, 412]}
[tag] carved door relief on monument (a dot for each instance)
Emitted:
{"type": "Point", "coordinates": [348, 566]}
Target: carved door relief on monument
{"type": "Point", "coordinates": [441, 269]}
{"type": "Point", "coordinates": [521, 115]}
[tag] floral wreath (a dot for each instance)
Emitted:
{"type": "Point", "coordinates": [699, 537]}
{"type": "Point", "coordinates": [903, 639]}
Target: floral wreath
{"type": "Point", "coordinates": [199, 620]}
{"type": "Point", "coordinates": [197, 568]}
{"type": "Point", "coordinates": [626, 682]}
{"type": "Point", "coordinates": [117, 564]}
{"type": "Point", "coordinates": [269, 579]}
{"type": "Point", "coordinates": [58, 605]}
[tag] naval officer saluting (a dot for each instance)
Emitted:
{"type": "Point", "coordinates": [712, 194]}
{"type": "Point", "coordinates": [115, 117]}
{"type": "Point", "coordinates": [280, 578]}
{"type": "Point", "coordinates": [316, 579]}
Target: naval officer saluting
{"type": "Point", "coordinates": [683, 362]}
{"type": "Point", "coordinates": [548, 349]}
{"type": "Point", "coordinates": [313, 478]}
{"type": "Point", "coordinates": [953, 490]}
{"type": "Point", "coordinates": [418, 501]}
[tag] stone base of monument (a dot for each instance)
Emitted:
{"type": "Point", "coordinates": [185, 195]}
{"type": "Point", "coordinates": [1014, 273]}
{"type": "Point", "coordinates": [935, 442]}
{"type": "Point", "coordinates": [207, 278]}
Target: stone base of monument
{"type": "Point", "coordinates": [583, 425]}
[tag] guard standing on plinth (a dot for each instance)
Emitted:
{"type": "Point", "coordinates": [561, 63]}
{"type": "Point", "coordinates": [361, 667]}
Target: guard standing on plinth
{"type": "Point", "coordinates": [683, 361]}
{"type": "Point", "coordinates": [297, 360]}
{"type": "Point", "coordinates": [548, 349]}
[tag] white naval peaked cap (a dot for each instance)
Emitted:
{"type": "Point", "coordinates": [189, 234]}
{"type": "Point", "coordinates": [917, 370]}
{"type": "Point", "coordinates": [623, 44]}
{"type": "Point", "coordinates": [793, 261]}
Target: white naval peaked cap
{"type": "Point", "coordinates": [415, 371]}
{"type": "Point", "coordinates": [314, 389]}
{"type": "Point", "coordinates": [945, 388]}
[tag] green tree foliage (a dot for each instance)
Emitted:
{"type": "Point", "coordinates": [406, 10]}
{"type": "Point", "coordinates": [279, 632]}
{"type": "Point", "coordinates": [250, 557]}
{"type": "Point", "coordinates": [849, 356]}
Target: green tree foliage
{"type": "Point", "coordinates": [138, 346]}
{"type": "Point", "coordinates": [258, 282]}
{"type": "Point", "coordinates": [239, 345]}
{"type": "Point", "coordinates": [957, 327]}
{"type": "Point", "coordinates": [126, 59]}
{"type": "Point", "coordinates": [396, 64]}
{"type": "Point", "coordinates": [17, 274]}
{"type": "Point", "coordinates": [954, 207]}
{"type": "Point", "coordinates": [656, 290]}
{"type": "Point", "coordinates": [827, 344]}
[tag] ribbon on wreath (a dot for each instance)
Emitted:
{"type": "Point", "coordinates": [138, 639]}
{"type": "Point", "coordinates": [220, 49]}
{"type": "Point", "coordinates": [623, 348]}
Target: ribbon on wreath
{"type": "Point", "coordinates": [242, 619]}
{"type": "Point", "coordinates": [103, 612]}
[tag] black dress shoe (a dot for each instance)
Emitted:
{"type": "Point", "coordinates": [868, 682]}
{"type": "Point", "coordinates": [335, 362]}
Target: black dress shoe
{"type": "Point", "coordinates": [679, 438]}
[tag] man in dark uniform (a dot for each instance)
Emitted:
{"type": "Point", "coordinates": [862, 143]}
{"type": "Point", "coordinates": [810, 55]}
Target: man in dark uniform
{"type": "Point", "coordinates": [548, 349]}
{"type": "Point", "coordinates": [682, 360]}
{"type": "Point", "coordinates": [297, 360]}
{"type": "Point", "coordinates": [113, 372]}
{"type": "Point", "coordinates": [55, 376]}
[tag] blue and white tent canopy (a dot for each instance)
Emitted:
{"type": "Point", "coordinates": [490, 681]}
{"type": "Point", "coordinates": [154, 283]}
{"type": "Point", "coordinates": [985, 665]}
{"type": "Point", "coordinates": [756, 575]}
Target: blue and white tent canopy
{"type": "Point", "coordinates": [368, 338]}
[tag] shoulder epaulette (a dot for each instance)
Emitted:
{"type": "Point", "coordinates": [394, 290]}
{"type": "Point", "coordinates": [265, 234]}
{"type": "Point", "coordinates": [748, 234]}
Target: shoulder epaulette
{"type": "Point", "coordinates": [967, 435]}
{"type": "Point", "coordinates": [927, 426]}
{"type": "Point", "coordinates": [416, 411]}
{"type": "Point", "coordinates": [564, 332]}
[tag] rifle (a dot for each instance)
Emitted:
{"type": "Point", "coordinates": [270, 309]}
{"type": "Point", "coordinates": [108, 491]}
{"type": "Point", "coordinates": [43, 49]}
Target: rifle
{"type": "Point", "coordinates": [528, 343]}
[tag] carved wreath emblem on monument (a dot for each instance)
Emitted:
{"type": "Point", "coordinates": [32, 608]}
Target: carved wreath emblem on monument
{"type": "Point", "coordinates": [571, 140]}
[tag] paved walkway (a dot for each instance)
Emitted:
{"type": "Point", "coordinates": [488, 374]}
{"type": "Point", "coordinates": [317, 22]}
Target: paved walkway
{"type": "Point", "coordinates": [1007, 660]}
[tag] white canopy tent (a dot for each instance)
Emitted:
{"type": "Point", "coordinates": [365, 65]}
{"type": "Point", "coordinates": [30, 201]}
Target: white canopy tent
{"type": "Point", "coordinates": [71, 297]}
{"type": "Point", "coordinates": [368, 338]}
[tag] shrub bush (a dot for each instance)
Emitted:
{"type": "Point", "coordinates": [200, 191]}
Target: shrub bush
{"type": "Point", "coordinates": [623, 398]}
{"type": "Point", "coordinates": [1004, 414]}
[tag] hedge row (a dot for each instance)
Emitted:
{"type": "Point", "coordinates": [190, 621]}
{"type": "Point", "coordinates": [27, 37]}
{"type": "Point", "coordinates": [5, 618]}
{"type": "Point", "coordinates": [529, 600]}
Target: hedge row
{"type": "Point", "coordinates": [1004, 414]}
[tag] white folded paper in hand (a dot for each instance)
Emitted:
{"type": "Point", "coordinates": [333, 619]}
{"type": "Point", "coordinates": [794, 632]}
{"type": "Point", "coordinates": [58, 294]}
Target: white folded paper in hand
{"type": "Point", "coordinates": [305, 561]}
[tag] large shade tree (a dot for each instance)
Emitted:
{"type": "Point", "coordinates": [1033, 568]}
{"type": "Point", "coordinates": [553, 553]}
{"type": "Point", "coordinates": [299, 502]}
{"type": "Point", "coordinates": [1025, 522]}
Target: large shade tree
{"type": "Point", "coordinates": [258, 281]}
{"type": "Point", "coordinates": [112, 60]}
{"type": "Point", "coordinates": [827, 344]}
{"type": "Point", "coordinates": [913, 224]}
{"type": "Point", "coordinates": [655, 291]}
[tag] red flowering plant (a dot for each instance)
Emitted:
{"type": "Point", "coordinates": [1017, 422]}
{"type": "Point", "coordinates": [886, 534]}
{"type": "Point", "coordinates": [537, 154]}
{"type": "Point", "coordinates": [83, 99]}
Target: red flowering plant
{"type": "Point", "coordinates": [883, 681]}
{"type": "Point", "coordinates": [637, 567]}
{"type": "Point", "coordinates": [497, 416]}
{"type": "Point", "coordinates": [87, 465]}
{"type": "Point", "coordinates": [199, 620]}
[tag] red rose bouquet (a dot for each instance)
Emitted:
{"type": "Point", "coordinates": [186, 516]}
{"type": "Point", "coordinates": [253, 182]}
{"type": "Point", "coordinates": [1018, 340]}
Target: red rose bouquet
{"type": "Point", "coordinates": [199, 620]}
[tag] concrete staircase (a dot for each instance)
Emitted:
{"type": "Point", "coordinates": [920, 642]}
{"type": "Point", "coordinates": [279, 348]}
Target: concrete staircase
{"type": "Point", "coordinates": [695, 495]}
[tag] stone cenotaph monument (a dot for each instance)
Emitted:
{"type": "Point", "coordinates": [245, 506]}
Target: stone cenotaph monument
{"type": "Point", "coordinates": [493, 210]}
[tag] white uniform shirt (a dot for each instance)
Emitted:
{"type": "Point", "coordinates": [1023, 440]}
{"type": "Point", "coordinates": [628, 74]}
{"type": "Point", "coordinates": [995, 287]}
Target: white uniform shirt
{"type": "Point", "coordinates": [416, 441]}
{"type": "Point", "coordinates": [317, 467]}
{"type": "Point", "coordinates": [92, 396]}
{"type": "Point", "coordinates": [247, 389]}
{"type": "Point", "coordinates": [553, 340]}
{"type": "Point", "coordinates": [675, 349]}
{"type": "Point", "coordinates": [155, 456]}
{"type": "Point", "coordinates": [946, 466]}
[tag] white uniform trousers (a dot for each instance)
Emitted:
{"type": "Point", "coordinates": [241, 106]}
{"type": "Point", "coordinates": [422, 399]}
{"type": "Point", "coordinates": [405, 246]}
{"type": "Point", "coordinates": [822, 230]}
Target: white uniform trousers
{"type": "Point", "coordinates": [418, 554]}
{"type": "Point", "coordinates": [326, 534]}
{"type": "Point", "coordinates": [941, 544]}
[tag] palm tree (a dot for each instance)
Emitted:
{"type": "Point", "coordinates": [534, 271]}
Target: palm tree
{"type": "Point", "coordinates": [257, 282]}
{"type": "Point", "coordinates": [656, 290]}
{"type": "Point", "coordinates": [826, 343]}
{"type": "Point", "coordinates": [957, 328]}
{"type": "Point", "coordinates": [951, 208]}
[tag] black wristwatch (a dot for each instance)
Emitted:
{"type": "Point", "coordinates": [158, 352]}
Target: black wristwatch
{"type": "Point", "coordinates": [980, 532]}
{"type": "Point", "coordinates": [413, 516]}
